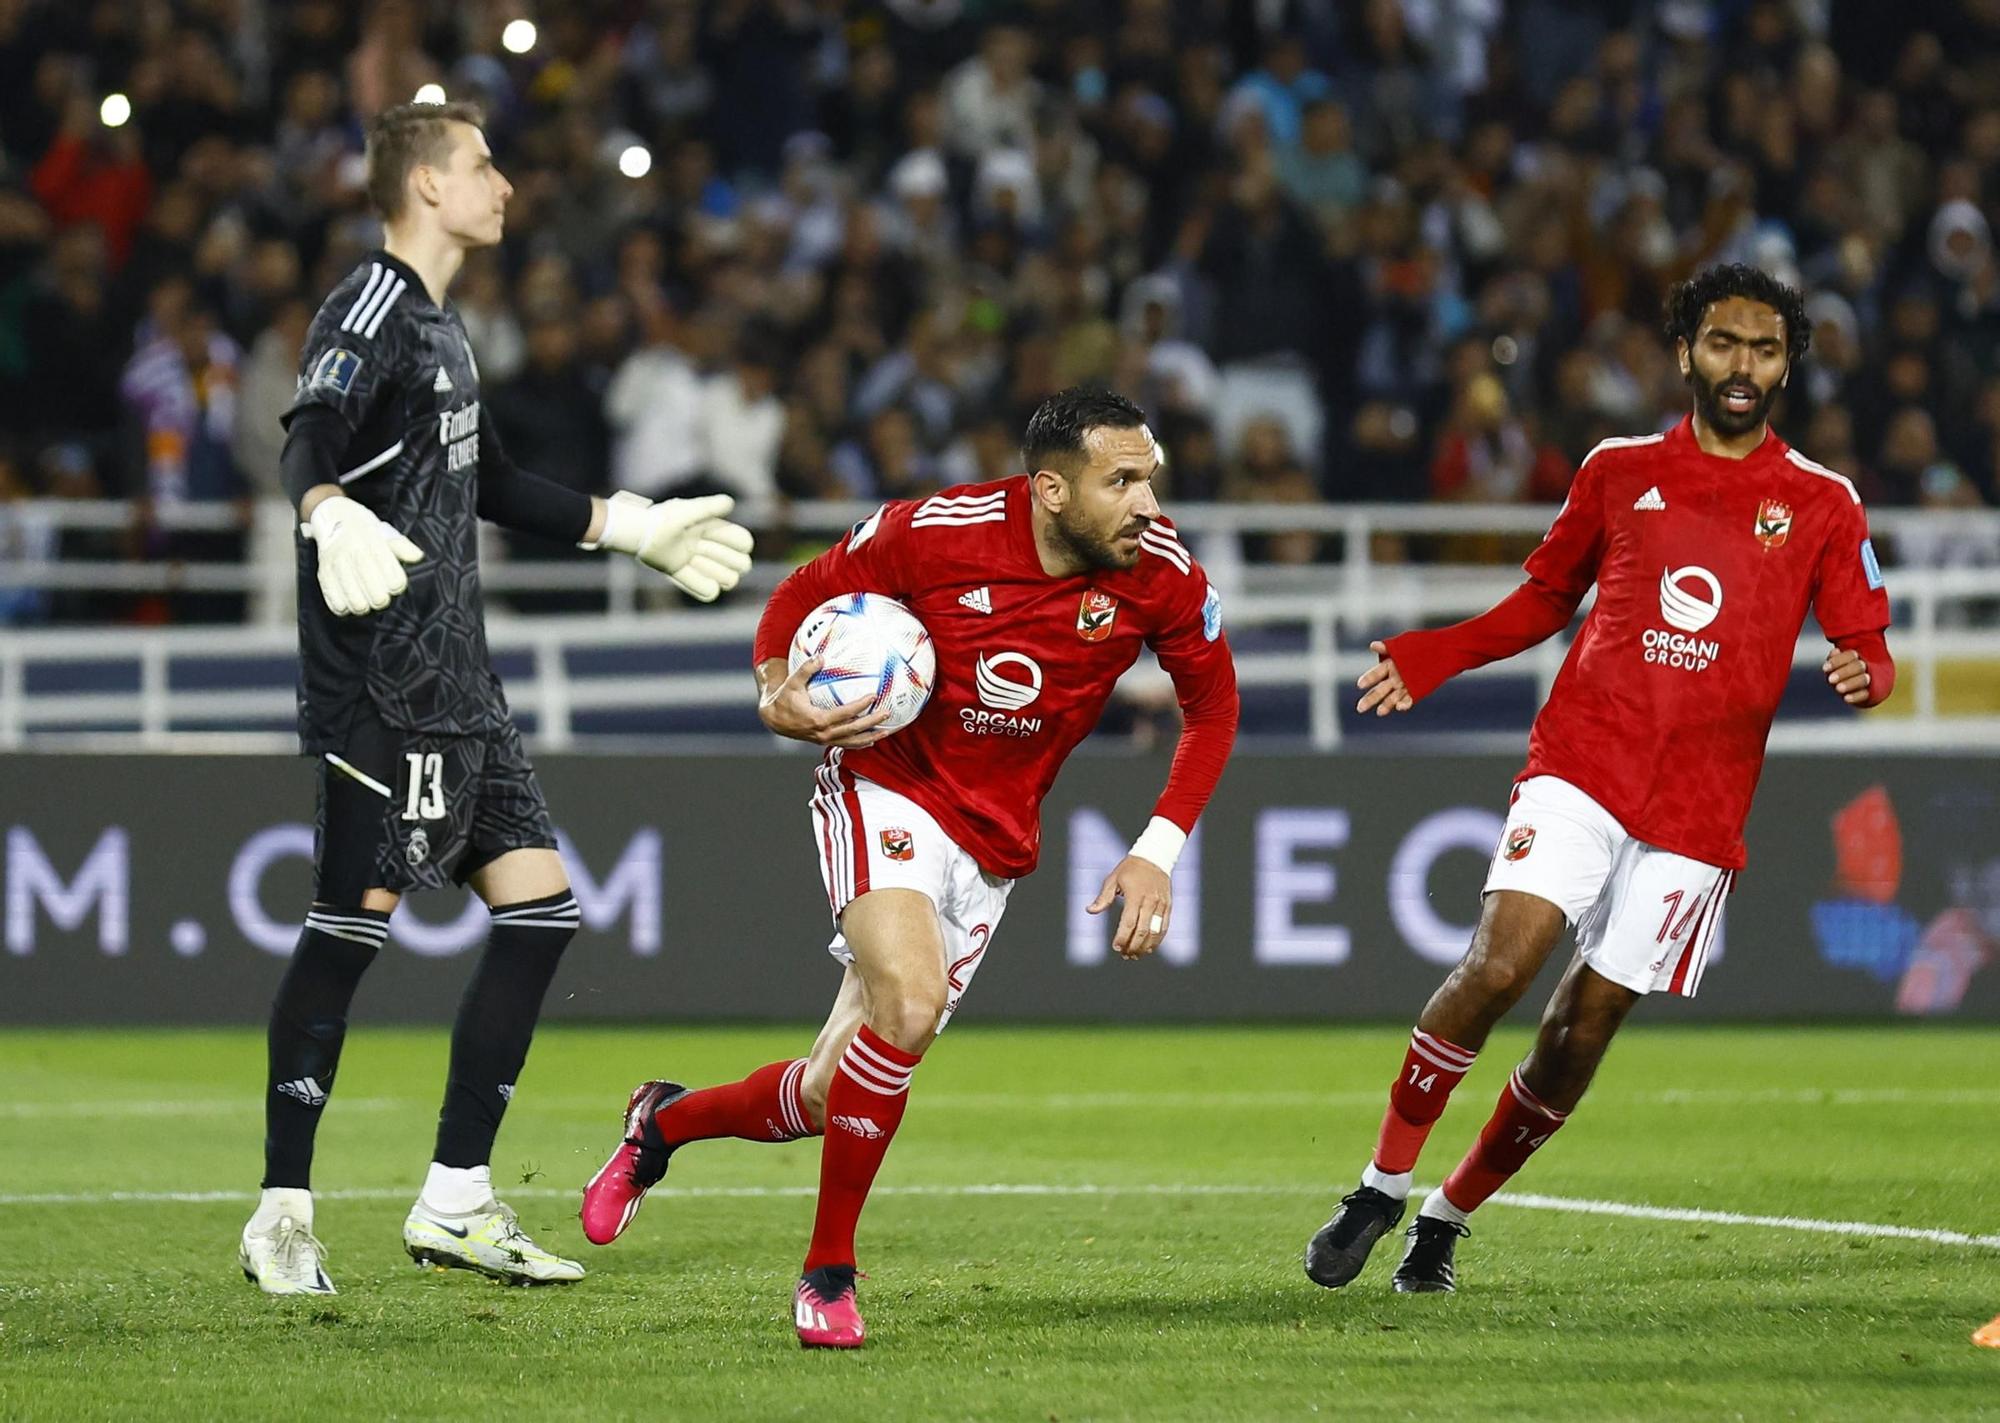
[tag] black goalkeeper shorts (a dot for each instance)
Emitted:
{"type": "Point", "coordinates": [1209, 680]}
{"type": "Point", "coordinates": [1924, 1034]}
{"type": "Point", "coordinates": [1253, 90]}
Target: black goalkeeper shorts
{"type": "Point", "coordinates": [403, 810]}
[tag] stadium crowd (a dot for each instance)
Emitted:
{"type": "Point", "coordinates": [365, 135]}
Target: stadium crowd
{"type": "Point", "coordinates": [1340, 249]}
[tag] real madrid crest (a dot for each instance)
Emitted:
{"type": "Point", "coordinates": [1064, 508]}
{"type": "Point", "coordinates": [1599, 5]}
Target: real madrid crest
{"type": "Point", "coordinates": [1774, 523]}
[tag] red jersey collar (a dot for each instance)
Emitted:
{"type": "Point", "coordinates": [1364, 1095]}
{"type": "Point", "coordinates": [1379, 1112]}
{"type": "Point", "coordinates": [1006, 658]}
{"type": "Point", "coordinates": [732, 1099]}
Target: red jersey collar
{"type": "Point", "coordinates": [1681, 441]}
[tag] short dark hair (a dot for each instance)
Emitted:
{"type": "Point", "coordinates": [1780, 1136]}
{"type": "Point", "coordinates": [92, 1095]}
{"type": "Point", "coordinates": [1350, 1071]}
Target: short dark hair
{"type": "Point", "coordinates": [1690, 300]}
{"type": "Point", "coordinates": [400, 138]}
{"type": "Point", "coordinates": [1056, 429]}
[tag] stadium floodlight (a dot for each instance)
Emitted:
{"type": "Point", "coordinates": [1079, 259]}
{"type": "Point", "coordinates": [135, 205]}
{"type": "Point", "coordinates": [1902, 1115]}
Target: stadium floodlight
{"type": "Point", "coordinates": [636, 161]}
{"type": "Point", "coordinates": [115, 111]}
{"type": "Point", "coordinates": [429, 94]}
{"type": "Point", "coordinates": [518, 37]}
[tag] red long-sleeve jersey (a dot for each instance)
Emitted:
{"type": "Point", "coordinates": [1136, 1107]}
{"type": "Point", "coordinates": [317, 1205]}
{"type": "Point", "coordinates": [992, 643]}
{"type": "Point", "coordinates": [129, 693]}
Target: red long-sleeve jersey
{"type": "Point", "coordinates": [1705, 569]}
{"type": "Point", "coordinates": [1025, 662]}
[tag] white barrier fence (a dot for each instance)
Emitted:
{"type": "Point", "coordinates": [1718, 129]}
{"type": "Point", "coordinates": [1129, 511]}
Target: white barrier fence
{"type": "Point", "coordinates": [1320, 615]}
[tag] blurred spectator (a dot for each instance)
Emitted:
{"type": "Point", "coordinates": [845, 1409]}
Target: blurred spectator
{"type": "Point", "coordinates": [94, 174]}
{"type": "Point", "coordinates": [1279, 90]}
{"type": "Point", "coordinates": [1267, 471]}
{"type": "Point", "coordinates": [655, 409]}
{"type": "Point", "coordinates": [744, 421]}
{"type": "Point", "coordinates": [1428, 237]}
{"type": "Point", "coordinates": [1488, 456]}
{"type": "Point", "coordinates": [886, 460]}
{"type": "Point", "coordinates": [24, 538]}
{"type": "Point", "coordinates": [180, 400]}
{"type": "Point", "coordinates": [270, 381]}
{"type": "Point", "coordinates": [1323, 174]}
{"type": "Point", "coordinates": [552, 423]}
{"type": "Point", "coordinates": [992, 96]}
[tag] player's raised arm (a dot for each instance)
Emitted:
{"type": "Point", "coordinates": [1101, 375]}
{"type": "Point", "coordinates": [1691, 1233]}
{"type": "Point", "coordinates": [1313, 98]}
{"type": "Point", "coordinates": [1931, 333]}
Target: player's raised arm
{"type": "Point", "coordinates": [692, 541]}
{"type": "Point", "coordinates": [1560, 571]}
{"type": "Point", "coordinates": [1853, 611]}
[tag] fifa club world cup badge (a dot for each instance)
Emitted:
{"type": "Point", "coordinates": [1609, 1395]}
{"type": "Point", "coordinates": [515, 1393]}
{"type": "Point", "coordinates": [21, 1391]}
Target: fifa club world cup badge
{"type": "Point", "coordinates": [1774, 522]}
{"type": "Point", "coordinates": [1520, 840]}
{"type": "Point", "coordinates": [1094, 615]}
{"type": "Point", "coordinates": [899, 844]}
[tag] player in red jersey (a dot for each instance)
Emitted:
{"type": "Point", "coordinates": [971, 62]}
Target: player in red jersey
{"type": "Point", "coordinates": [1038, 592]}
{"type": "Point", "coordinates": [1708, 544]}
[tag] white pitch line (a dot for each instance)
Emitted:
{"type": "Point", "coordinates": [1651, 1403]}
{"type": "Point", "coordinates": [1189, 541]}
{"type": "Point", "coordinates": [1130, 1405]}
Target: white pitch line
{"type": "Point", "coordinates": [1572, 1205]}
{"type": "Point", "coordinates": [1577, 1206]}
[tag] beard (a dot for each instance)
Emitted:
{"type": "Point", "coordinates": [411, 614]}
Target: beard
{"type": "Point", "coordinates": [1093, 549]}
{"type": "Point", "coordinates": [1719, 417]}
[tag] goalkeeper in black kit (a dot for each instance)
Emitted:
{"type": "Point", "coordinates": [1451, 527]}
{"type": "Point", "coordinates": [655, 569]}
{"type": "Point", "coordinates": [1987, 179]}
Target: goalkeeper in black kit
{"type": "Point", "coordinates": [423, 782]}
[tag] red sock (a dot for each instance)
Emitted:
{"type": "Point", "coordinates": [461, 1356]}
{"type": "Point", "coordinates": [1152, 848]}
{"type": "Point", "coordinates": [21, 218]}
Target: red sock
{"type": "Point", "coordinates": [1431, 1068]}
{"type": "Point", "coordinates": [765, 1106]}
{"type": "Point", "coordinates": [863, 1106]}
{"type": "Point", "coordinates": [1518, 1126]}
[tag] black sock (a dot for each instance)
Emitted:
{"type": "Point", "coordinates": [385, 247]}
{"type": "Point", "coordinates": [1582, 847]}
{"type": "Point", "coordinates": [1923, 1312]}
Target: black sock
{"type": "Point", "coordinates": [308, 1024]}
{"type": "Point", "coordinates": [496, 1021]}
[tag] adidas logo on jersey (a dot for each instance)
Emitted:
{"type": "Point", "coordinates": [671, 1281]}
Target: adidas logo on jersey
{"type": "Point", "coordinates": [863, 1127]}
{"type": "Point", "coordinates": [1650, 500]}
{"type": "Point", "coordinates": [980, 600]}
{"type": "Point", "coordinates": [442, 383]}
{"type": "Point", "coordinates": [304, 1089]}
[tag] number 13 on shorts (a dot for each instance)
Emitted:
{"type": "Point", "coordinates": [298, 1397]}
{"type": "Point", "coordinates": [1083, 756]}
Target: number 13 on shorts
{"type": "Point", "coordinates": [423, 774]}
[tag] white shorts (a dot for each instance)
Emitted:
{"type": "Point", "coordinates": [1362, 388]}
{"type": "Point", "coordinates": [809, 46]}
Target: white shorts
{"type": "Point", "coordinates": [871, 837]}
{"type": "Point", "coordinates": [1644, 917]}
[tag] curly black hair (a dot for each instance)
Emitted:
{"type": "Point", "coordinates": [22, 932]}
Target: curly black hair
{"type": "Point", "coordinates": [1055, 431]}
{"type": "Point", "coordinates": [1688, 301]}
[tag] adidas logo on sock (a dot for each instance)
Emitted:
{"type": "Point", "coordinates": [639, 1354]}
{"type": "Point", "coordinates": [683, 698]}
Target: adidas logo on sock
{"type": "Point", "coordinates": [863, 1127]}
{"type": "Point", "coordinates": [442, 383]}
{"type": "Point", "coordinates": [306, 1090]}
{"type": "Point", "coordinates": [1650, 500]}
{"type": "Point", "coordinates": [980, 600]}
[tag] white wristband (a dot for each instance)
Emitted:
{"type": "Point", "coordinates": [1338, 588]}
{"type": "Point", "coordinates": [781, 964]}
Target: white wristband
{"type": "Point", "coordinates": [623, 528]}
{"type": "Point", "coordinates": [1160, 843]}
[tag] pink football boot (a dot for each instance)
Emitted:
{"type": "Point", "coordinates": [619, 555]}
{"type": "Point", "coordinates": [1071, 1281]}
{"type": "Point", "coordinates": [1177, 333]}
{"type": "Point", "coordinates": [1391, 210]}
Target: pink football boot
{"type": "Point", "coordinates": [615, 1193]}
{"type": "Point", "coordinates": [824, 1310]}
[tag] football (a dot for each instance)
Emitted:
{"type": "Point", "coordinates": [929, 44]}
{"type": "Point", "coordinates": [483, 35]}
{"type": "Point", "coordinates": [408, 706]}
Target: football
{"type": "Point", "coordinates": [869, 646]}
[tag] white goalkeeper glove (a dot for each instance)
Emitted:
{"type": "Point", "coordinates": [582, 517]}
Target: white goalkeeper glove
{"type": "Point", "coordinates": [689, 540]}
{"type": "Point", "coordinates": [360, 558]}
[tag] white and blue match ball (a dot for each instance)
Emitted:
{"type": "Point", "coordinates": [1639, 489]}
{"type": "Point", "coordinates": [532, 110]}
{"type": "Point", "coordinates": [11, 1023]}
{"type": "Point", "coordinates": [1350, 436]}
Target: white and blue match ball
{"type": "Point", "coordinates": [870, 647]}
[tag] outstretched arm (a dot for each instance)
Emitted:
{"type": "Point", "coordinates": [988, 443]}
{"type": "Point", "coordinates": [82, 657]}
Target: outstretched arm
{"type": "Point", "coordinates": [1560, 571]}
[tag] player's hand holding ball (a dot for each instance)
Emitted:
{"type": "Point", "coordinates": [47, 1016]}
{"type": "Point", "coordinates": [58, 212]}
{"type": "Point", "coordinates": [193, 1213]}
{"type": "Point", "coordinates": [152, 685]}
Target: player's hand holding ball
{"type": "Point", "coordinates": [787, 708]}
{"type": "Point", "coordinates": [360, 558]}
{"type": "Point", "coordinates": [689, 540]}
{"type": "Point", "coordinates": [860, 666]}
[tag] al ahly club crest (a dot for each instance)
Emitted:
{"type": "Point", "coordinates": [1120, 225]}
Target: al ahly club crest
{"type": "Point", "coordinates": [1094, 616]}
{"type": "Point", "coordinates": [899, 844]}
{"type": "Point", "coordinates": [1520, 840]}
{"type": "Point", "coordinates": [1774, 522]}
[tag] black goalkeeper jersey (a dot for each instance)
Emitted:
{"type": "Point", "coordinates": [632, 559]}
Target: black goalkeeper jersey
{"type": "Point", "coordinates": [399, 372]}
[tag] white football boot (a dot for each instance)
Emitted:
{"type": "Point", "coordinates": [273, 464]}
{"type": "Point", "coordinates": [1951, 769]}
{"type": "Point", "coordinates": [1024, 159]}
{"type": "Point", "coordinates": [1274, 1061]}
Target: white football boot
{"type": "Point", "coordinates": [281, 1257]}
{"type": "Point", "coordinates": [489, 1240]}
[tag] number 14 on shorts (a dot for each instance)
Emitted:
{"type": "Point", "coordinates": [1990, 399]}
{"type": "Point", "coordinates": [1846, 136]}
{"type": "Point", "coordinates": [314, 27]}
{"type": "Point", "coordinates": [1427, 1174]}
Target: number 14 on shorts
{"type": "Point", "coordinates": [424, 778]}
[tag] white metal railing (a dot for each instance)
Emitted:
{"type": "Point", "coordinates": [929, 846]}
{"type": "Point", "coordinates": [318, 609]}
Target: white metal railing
{"type": "Point", "coordinates": [1335, 621]}
{"type": "Point", "coordinates": [267, 576]}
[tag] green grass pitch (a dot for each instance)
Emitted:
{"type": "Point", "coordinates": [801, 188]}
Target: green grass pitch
{"type": "Point", "coordinates": [1147, 1266]}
